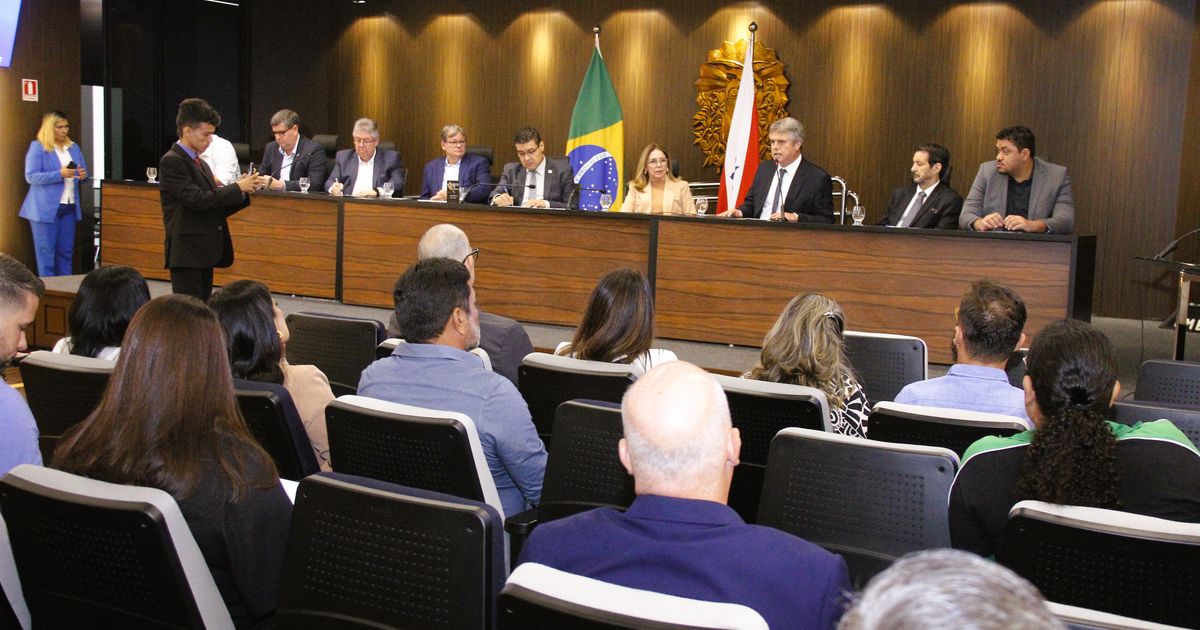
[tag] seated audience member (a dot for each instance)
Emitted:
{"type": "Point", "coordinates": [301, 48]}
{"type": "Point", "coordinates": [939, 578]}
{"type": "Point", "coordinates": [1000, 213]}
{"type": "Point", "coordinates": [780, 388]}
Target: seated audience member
{"type": "Point", "coordinates": [504, 339]}
{"type": "Point", "coordinates": [655, 189]}
{"type": "Point", "coordinates": [106, 301]}
{"type": "Point", "coordinates": [1074, 456]}
{"type": "Point", "coordinates": [435, 306]}
{"type": "Point", "coordinates": [19, 294]}
{"type": "Point", "coordinates": [291, 156]}
{"type": "Point", "coordinates": [359, 172]}
{"type": "Point", "coordinates": [788, 188]}
{"type": "Point", "coordinates": [257, 335]}
{"type": "Point", "coordinates": [169, 420]}
{"type": "Point", "coordinates": [222, 160]}
{"type": "Point", "coordinates": [536, 181]}
{"type": "Point", "coordinates": [470, 171]}
{"type": "Point", "coordinates": [679, 537]}
{"type": "Point", "coordinates": [932, 203]}
{"type": "Point", "coordinates": [1019, 192]}
{"type": "Point", "coordinates": [948, 589]}
{"type": "Point", "coordinates": [618, 324]}
{"type": "Point", "coordinates": [990, 320]}
{"type": "Point", "coordinates": [805, 347]}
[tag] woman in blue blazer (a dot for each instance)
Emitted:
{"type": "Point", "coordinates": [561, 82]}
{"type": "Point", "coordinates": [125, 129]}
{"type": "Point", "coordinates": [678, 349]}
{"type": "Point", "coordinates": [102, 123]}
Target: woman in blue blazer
{"type": "Point", "coordinates": [52, 205]}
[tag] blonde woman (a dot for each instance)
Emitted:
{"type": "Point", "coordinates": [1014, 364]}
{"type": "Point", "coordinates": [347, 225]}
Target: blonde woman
{"type": "Point", "coordinates": [805, 347]}
{"type": "Point", "coordinates": [655, 190]}
{"type": "Point", "coordinates": [54, 167]}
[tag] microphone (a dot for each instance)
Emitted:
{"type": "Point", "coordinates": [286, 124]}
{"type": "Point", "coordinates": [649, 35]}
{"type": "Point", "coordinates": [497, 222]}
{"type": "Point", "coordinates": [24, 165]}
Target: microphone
{"type": "Point", "coordinates": [1172, 245]}
{"type": "Point", "coordinates": [585, 189]}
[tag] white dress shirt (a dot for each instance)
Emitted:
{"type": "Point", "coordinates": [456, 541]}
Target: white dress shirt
{"type": "Point", "coordinates": [451, 173]}
{"type": "Point", "coordinates": [365, 180]}
{"type": "Point", "coordinates": [64, 158]}
{"type": "Point", "coordinates": [928, 192]}
{"type": "Point", "coordinates": [539, 191]}
{"type": "Point", "coordinates": [222, 159]}
{"type": "Point", "coordinates": [790, 169]}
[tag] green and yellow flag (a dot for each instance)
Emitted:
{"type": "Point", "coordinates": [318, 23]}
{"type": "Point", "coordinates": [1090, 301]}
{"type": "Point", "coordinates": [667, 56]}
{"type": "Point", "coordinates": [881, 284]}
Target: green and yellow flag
{"type": "Point", "coordinates": [596, 141]}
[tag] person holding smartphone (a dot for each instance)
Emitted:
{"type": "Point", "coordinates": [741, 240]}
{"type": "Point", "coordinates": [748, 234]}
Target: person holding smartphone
{"type": "Point", "coordinates": [54, 166]}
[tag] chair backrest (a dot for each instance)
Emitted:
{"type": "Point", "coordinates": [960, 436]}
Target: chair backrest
{"type": "Point", "coordinates": [886, 362]}
{"type": "Point", "coordinates": [955, 429]}
{"type": "Point", "coordinates": [1170, 382]}
{"type": "Point", "coordinates": [96, 554]}
{"type": "Point", "coordinates": [547, 381]}
{"type": "Point", "coordinates": [1126, 564]}
{"type": "Point", "coordinates": [341, 347]}
{"type": "Point", "coordinates": [14, 614]}
{"type": "Point", "coordinates": [388, 346]}
{"type": "Point", "coordinates": [328, 142]}
{"type": "Point", "coordinates": [370, 554]}
{"type": "Point", "coordinates": [386, 145]}
{"type": "Point", "coordinates": [1076, 618]}
{"type": "Point", "coordinates": [482, 150]}
{"type": "Point", "coordinates": [870, 501]}
{"type": "Point", "coordinates": [242, 151]}
{"type": "Point", "coordinates": [273, 420]}
{"type": "Point", "coordinates": [759, 410]}
{"type": "Point", "coordinates": [411, 446]}
{"type": "Point", "coordinates": [538, 596]}
{"type": "Point", "coordinates": [1187, 420]}
{"type": "Point", "coordinates": [1014, 368]}
{"type": "Point", "coordinates": [62, 390]}
{"type": "Point", "coordinates": [584, 470]}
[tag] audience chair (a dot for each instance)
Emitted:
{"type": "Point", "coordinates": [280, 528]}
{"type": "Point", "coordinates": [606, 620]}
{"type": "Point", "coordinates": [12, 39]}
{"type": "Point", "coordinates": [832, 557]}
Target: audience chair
{"type": "Point", "coordinates": [14, 614]}
{"type": "Point", "coordinates": [1116, 562]}
{"type": "Point", "coordinates": [272, 418]}
{"type": "Point", "coordinates": [869, 501]}
{"type": "Point", "coordinates": [1076, 618]}
{"type": "Point", "coordinates": [1015, 367]}
{"type": "Point", "coordinates": [341, 347]}
{"type": "Point", "coordinates": [62, 390]}
{"type": "Point", "coordinates": [1175, 383]}
{"type": "Point", "coordinates": [885, 363]}
{"type": "Point", "coordinates": [546, 381]}
{"type": "Point", "coordinates": [759, 410]}
{"type": "Point", "coordinates": [538, 596]}
{"type": "Point", "coordinates": [1187, 420]}
{"type": "Point", "coordinates": [369, 554]}
{"type": "Point", "coordinates": [95, 554]}
{"type": "Point", "coordinates": [388, 346]}
{"type": "Point", "coordinates": [954, 429]}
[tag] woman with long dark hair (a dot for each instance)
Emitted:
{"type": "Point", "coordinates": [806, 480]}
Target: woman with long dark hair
{"type": "Point", "coordinates": [106, 301]}
{"type": "Point", "coordinates": [169, 420]}
{"type": "Point", "coordinates": [1074, 456]}
{"type": "Point", "coordinates": [618, 324]}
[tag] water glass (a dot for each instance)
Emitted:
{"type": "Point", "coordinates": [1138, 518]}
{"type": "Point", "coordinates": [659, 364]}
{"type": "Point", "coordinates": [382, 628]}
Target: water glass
{"type": "Point", "coordinates": [701, 206]}
{"type": "Point", "coordinates": [858, 214]}
{"type": "Point", "coordinates": [151, 174]}
{"type": "Point", "coordinates": [386, 189]}
{"type": "Point", "coordinates": [304, 184]}
{"type": "Point", "coordinates": [605, 200]}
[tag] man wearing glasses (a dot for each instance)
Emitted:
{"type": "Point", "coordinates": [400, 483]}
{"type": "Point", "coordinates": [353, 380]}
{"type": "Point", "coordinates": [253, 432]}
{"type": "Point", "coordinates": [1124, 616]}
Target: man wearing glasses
{"type": "Point", "coordinates": [536, 181]}
{"type": "Point", "coordinates": [365, 169]}
{"type": "Point", "coordinates": [291, 156]}
{"type": "Point", "coordinates": [470, 171]}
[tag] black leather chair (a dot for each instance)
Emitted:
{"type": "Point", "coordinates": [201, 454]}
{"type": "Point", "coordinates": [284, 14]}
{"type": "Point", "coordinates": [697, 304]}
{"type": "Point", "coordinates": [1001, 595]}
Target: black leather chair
{"type": "Point", "coordinates": [546, 381]}
{"type": "Point", "coordinates": [484, 151]}
{"type": "Point", "coordinates": [386, 145]}
{"type": "Point", "coordinates": [369, 554]}
{"type": "Point", "coordinates": [954, 429]}
{"type": "Point", "coordinates": [242, 151]}
{"type": "Point", "coordinates": [62, 390]}
{"type": "Point", "coordinates": [272, 418]}
{"type": "Point", "coordinates": [341, 347]}
{"type": "Point", "coordinates": [1175, 383]}
{"type": "Point", "coordinates": [1015, 367]}
{"type": "Point", "coordinates": [1187, 420]}
{"type": "Point", "coordinates": [886, 362]}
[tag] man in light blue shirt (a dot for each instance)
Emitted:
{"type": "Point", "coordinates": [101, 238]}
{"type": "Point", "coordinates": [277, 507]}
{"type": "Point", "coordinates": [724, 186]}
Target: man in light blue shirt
{"type": "Point", "coordinates": [19, 294]}
{"type": "Point", "coordinates": [990, 320]}
{"type": "Point", "coordinates": [435, 306]}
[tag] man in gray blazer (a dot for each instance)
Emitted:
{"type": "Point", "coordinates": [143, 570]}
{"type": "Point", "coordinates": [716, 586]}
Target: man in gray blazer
{"type": "Point", "coordinates": [536, 181]}
{"type": "Point", "coordinates": [1019, 192]}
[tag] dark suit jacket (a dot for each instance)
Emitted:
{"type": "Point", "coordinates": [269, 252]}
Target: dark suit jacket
{"type": "Point", "coordinates": [472, 169]}
{"type": "Point", "coordinates": [309, 162]}
{"type": "Point", "coordinates": [810, 195]}
{"type": "Point", "coordinates": [557, 189]}
{"type": "Point", "coordinates": [504, 339]}
{"type": "Point", "coordinates": [194, 210]}
{"type": "Point", "coordinates": [939, 211]}
{"type": "Point", "coordinates": [388, 168]}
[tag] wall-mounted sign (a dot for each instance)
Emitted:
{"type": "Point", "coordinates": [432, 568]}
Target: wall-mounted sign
{"type": "Point", "coordinates": [29, 90]}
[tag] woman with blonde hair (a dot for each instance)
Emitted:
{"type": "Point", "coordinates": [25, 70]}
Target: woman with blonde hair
{"type": "Point", "coordinates": [655, 190]}
{"type": "Point", "coordinates": [805, 347]}
{"type": "Point", "coordinates": [54, 167]}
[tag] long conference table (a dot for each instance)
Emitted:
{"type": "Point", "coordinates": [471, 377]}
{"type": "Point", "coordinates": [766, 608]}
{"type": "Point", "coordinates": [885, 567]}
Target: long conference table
{"type": "Point", "coordinates": [714, 280]}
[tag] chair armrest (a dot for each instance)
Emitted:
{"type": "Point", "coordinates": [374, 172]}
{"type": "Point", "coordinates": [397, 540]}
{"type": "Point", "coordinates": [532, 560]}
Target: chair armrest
{"type": "Point", "coordinates": [522, 524]}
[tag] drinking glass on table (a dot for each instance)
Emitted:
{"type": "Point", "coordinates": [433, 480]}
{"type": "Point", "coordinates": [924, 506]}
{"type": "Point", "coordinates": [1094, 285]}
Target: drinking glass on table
{"type": "Point", "coordinates": [151, 173]}
{"type": "Point", "coordinates": [386, 189]}
{"type": "Point", "coordinates": [605, 201]}
{"type": "Point", "coordinates": [304, 184]}
{"type": "Point", "coordinates": [701, 206]}
{"type": "Point", "coordinates": [858, 214]}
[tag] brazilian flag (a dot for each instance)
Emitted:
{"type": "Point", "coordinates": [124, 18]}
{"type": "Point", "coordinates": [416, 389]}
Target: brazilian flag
{"type": "Point", "coordinates": [596, 141]}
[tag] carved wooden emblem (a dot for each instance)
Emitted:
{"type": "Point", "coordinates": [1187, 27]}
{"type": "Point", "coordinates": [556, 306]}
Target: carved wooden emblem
{"type": "Point", "coordinates": [716, 92]}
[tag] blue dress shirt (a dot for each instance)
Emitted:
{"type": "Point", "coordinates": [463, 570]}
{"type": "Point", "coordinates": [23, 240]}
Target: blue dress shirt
{"type": "Point", "coordinates": [968, 387]}
{"type": "Point", "coordinates": [18, 431]}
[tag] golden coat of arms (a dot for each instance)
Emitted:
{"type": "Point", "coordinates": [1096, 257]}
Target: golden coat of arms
{"type": "Point", "coordinates": [718, 85]}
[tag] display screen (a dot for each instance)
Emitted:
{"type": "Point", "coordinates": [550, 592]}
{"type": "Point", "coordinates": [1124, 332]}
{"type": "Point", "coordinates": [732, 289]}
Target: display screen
{"type": "Point", "coordinates": [10, 11]}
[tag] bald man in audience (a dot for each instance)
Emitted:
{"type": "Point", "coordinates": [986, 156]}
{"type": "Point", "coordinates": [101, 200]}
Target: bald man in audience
{"type": "Point", "coordinates": [20, 291]}
{"type": "Point", "coordinates": [504, 339]}
{"type": "Point", "coordinates": [679, 537]}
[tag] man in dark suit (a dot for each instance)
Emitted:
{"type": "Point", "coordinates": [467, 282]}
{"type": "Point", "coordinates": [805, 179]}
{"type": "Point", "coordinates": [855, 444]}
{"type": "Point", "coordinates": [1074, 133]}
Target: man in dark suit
{"type": "Point", "coordinates": [291, 156]}
{"type": "Point", "coordinates": [472, 172]}
{"type": "Point", "coordinates": [536, 181]}
{"type": "Point", "coordinates": [932, 203]}
{"type": "Point", "coordinates": [789, 188]}
{"type": "Point", "coordinates": [360, 171]}
{"type": "Point", "coordinates": [194, 206]}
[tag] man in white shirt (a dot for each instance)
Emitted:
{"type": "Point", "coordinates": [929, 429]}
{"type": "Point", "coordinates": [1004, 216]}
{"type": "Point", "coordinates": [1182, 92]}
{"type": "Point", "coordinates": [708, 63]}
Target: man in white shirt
{"type": "Point", "coordinates": [931, 203]}
{"type": "Point", "coordinates": [789, 188]}
{"type": "Point", "coordinates": [222, 159]}
{"type": "Point", "coordinates": [291, 156]}
{"type": "Point", "coordinates": [361, 171]}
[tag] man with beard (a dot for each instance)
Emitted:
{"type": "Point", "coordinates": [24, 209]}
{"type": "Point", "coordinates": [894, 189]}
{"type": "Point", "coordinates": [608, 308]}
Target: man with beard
{"type": "Point", "coordinates": [19, 294]}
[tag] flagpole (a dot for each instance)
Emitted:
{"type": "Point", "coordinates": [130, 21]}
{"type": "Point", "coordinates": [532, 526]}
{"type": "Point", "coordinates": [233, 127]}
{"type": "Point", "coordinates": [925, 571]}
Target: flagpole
{"type": "Point", "coordinates": [596, 31]}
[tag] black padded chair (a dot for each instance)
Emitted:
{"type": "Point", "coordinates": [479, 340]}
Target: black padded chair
{"type": "Point", "coordinates": [98, 555]}
{"type": "Point", "coordinates": [329, 144]}
{"type": "Point", "coordinates": [62, 390]}
{"type": "Point", "coordinates": [886, 362]}
{"type": "Point", "coordinates": [273, 420]}
{"type": "Point", "coordinates": [1187, 420]}
{"type": "Point", "coordinates": [954, 429]}
{"type": "Point", "coordinates": [242, 151]}
{"type": "Point", "coordinates": [341, 347]}
{"type": "Point", "coordinates": [546, 381]}
{"type": "Point", "coordinates": [869, 501]}
{"type": "Point", "coordinates": [369, 554]}
{"type": "Point", "coordinates": [1076, 618]}
{"type": "Point", "coordinates": [1015, 367]}
{"type": "Point", "coordinates": [484, 151]}
{"type": "Point", "coordinates": [14, 613]}
{"type": "Point", "coordinates": [1175, 383]}
{"type": "Point", "coordinates": [386, 145]}
{"type": "Point", "coordinates": [759, 410]}
{"type": "Point", "coordinates": [1126, 564]}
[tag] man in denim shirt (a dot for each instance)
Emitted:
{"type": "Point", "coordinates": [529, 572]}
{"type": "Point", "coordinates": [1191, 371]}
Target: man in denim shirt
{"type": "Point", "coordinates": [19, 294]}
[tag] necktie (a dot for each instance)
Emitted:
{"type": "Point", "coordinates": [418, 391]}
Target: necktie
{"type": "Point", "coordinates": [913, 208]}
{"type": "Point", "coordinates": [778, 202]}
{"type": "Point", "coordinates": [532, 180]}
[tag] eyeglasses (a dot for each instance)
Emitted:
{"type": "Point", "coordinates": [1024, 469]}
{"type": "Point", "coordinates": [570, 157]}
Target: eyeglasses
{"type": "Point", "coordinates": [365, 141]}
{"type": "Point", "coordinates": [474, 254]}
{"type": "Point", "coordinates": [656, 161]}
{"type": "Point", "coordinates": [282, 131]}
{"type": "Point", "coordinates": [457, 143]}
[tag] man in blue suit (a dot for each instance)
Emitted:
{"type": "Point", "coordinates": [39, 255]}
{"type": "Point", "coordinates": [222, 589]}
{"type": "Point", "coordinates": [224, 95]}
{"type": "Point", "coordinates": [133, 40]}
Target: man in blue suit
{"type": "Point", "coordinates": [359, 172]}
{"type": "Point", "coordinates": [470, 171]}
